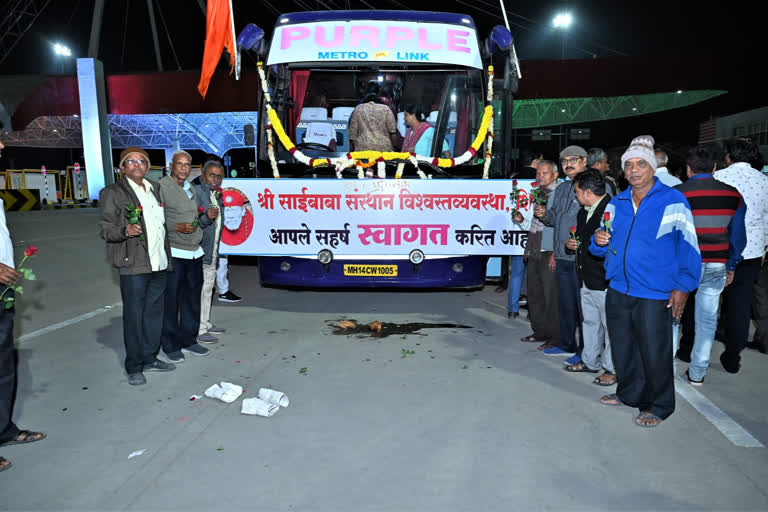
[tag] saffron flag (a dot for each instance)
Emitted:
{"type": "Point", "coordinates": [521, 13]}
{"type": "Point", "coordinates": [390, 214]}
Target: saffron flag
{"type": "Point", "coordinates": [219, 34]}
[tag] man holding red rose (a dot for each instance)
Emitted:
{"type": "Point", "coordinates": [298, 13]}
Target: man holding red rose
{"type": "Point", "coordinates": [185, 281]}
{"type": "Point", "coordinates": [133, 225]}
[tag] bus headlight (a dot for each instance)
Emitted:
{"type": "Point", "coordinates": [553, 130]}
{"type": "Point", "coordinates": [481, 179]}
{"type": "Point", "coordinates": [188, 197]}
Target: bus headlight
{"type": "Point", "coordinates": [285, 266]}
{"type": "Point", "coordinates": [325, 257]}
{"type": "Point", "coordinates": [458, 267]}
{"type": "Point", "coordinates": [416, 256]}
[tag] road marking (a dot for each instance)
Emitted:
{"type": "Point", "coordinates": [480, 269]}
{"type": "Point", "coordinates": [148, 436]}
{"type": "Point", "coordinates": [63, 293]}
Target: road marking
{"type": "Point", "coordinates": [488, 315]}
{"type": "Point", "coordinates": [734, 432]}
{"type": "Point", "coordinates": [501, 306]}
{"type": "Point", "coordinates": [66, 323]}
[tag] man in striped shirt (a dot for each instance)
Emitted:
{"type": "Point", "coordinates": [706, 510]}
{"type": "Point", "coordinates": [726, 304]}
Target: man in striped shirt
{"type": "Point", "coordinates": [718, 213]}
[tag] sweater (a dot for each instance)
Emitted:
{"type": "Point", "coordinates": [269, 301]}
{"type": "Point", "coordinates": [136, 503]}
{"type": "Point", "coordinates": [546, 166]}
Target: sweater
{"type": "Point", "coordinates": [562, 209]}
{"type": "Point", "coordinates": [590, 268]}
{"type": "Point", "coordinates": [656, 248]}
{"type": "Point", "coordinates": [208, 225]}
{"type": "Point", "coordinates": [179, 208]}
{"type": "Point", "coordinates": [718, 213]}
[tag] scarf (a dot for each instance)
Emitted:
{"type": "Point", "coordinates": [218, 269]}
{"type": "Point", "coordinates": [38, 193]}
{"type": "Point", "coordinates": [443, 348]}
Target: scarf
{"type": "Point", "coordinates": [413, 136]}
{"type": "Point", "coordinates": [536, 225]}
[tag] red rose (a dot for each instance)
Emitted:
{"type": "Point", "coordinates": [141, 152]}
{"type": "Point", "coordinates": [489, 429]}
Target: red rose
{"type": "Point", "coordinates": [200, 209]}
{"type": "Point", "coordinates": [30, 251]}
{"type": "Point", "coordinates": [607, 216]}
{"type": "Point", "coordinates": [573, 230]}
{"type": "Point", "coordinates": [534, 183]}
{"type": "Point", "coordinates": [162, 205]}
{"type": "Point", "coordinates": [514, 183]}
{"type": "Point", "coordinates": [139, 208]}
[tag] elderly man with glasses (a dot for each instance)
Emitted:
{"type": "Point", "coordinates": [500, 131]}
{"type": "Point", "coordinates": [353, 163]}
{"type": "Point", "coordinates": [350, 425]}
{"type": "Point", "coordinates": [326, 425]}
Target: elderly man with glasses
{"type": "Point", "coordinates": [133, 224]}
{"type": "Point", "coordinates": [560, 213]}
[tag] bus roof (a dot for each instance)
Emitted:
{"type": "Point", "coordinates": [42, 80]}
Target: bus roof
{"type": "Point", "coordinates": [418, 16]}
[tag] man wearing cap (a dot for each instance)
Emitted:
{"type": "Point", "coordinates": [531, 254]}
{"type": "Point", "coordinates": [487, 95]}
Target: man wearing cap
{"type": "Point", "coordinates": [185, 282]}
{"type": "Point", "coordinates": [561, 212]}
{"type": "Point", "coordinates": [238, 219]}
{"type": "Point", "coordinates": [138, 247]}
{"type": "Point", "coordinates": [652, 263]}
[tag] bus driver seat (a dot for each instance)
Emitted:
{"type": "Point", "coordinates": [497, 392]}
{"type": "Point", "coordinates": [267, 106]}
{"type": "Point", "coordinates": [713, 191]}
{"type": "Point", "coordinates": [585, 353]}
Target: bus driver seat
{"type": "Point", "coordinates": [321, 133]}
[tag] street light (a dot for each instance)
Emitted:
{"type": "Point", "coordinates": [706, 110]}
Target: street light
{"type": "Point", "coordinates": [60, 49]}
{"type": "Point", "coordinates": [563, 22]}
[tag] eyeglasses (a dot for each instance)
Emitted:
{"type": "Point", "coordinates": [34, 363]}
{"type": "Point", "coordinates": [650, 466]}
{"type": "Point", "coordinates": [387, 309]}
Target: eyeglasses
{"type": "Point", "coordinates": [572, 160]}
{"type": "Point", "coordinates": [132, 161]}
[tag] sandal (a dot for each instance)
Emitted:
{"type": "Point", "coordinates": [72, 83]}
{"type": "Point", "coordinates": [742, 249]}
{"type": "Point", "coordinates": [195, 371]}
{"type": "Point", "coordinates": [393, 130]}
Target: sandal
{"type": "Point", "coordinates": [4, 464]}
{"type": "Point", "coordinates": [579, 368]}
{"type": "Point", "coordinates": [25, 436]}
{"type": "Point", "coordinates": [647, 420]}
{"type": "Point", "coordinates": [532, 338]}
{"type": "Point", "coordinates": [547, 344]}
{"type": "Point", "coordinates": [606, 379]}
{"type": "Point", "coordinates": [611, 400]}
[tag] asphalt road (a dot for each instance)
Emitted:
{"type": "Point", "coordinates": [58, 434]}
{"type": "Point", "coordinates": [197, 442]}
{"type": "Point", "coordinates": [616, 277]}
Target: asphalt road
{"type": "Point", "coordinates": [472, 419]}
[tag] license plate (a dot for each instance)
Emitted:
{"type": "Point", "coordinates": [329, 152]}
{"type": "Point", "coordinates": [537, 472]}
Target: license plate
{"type": "Point", "coordinates": [370, 270]}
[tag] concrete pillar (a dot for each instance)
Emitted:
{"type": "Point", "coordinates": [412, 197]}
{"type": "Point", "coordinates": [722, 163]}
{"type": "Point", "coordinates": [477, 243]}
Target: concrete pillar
{"type": "Point", "coordinates": [97, 145]}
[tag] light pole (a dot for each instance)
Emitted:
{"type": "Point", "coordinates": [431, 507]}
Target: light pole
{"type": "Point", "coordinates": [562, 21]}
{"type": "Point", "coordinates": [61, 51]}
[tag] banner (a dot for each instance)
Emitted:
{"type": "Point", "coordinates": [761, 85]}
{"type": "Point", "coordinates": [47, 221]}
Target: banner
{"type": "Point", "coordinates": [376, 41]}
{"type": "Point", "coordinates": [300, 217]}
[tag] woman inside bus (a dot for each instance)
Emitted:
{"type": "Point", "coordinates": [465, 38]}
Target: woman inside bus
{"type": "Point", "coordinates": [419, 135]}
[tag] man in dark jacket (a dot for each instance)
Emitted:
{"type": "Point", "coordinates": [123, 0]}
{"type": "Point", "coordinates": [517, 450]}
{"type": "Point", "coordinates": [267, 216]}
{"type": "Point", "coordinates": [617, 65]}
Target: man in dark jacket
{"type": "Point", "coordinates": [133, 224]}
{"type": "Point", "coordinates": [208, 193]}
{"type": "Point", "coordinates": [591, 193]}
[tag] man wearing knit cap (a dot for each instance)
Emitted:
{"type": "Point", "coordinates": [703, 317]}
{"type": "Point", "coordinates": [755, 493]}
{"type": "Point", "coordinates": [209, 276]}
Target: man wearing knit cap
{"type": "Point", "coordinates": [560, 212]}
{"type": "Point", "coordinates": [137, 245]}
{"type": "Point", "coordinates": [652, 262]}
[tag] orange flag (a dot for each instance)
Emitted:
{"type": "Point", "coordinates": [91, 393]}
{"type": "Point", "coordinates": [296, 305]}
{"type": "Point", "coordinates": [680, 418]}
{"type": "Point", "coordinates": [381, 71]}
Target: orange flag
{"type": "Point", "coordinates": [219, 34]}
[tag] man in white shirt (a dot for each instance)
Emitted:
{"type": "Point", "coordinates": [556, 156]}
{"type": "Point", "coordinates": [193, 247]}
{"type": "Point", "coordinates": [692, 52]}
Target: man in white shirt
{"type": "Point", "coordinates": [661, 170]}
{"type": "Point", "coordinates": [9, 432]}
{"type": "Point", "coordinates": [140, 251]}
{"type": "Point", "coordinates": [753, 187]}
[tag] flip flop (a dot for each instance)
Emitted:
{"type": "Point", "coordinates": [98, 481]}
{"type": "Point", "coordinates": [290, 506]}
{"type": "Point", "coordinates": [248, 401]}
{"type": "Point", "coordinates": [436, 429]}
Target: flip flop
{"type": "Point", "coordinates": [645, 415]}
{"type": "Point", "coordinates": [547, 344]}
{"type": "Point", "coordinates": [533, 339]}
{"type": "Point", "coordinates": [582, 368]}
{"type": "Point", "coordinates": [29, 437]}
{"type": "Point", "coordinates": [5, 464]}
{"type": "Point", "coordinates": [610, 399]}
{"type": "Point", "coordinates": [599, 381]}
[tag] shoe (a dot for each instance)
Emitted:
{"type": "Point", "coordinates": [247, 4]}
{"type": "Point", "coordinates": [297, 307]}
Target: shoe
{"type": "Point", "coordinates": [500, 289]}
{"type": "Point", "coordinates": [207, 338]}
{"type": "Point", "coordinates": [216, 330]}
{"type": "Point", "coordinates": [693, 382]}
{"type": "Point", "coordinates": [513, 314]}
{"type": "Point", "coordinates": [574, 359]}
{"type": "Point", "coordinates": [196, 350]}
{"type": "Point", "coordinates": [728, 365]}
{"type": "Point", "coordinates": [683, 355]}
{"type": "Point", "coordinates": [523, 301]}
{"type": "Point", "coordinates": [175, 357]}
{"type": "Point", "coordinates": [229, 297]}
{"type": "Point", "coordinates": [136, 379]}
{"type": "Point", "coordinates": [159, 366]}
{"type": "Point", "coordinates": [557, 351]}
{"type": "Point", "coordinates": [753, 345]}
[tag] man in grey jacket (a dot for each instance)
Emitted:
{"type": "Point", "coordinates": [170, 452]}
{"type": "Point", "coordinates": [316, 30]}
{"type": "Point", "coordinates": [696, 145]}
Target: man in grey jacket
{"type": "Point", "coordinates": [185, 282]}
{"type": "Point", "coordinates": [133, 224]}
{"type": "Point", "coordinates": [560, 213]}
{"type": "Point", "coordinates": [208, 193]}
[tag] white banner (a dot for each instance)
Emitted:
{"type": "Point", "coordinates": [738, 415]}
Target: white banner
{"type": "Point", "coordinates": [299, 217]}
{"type": "Point", "coordinates": [375, 41]}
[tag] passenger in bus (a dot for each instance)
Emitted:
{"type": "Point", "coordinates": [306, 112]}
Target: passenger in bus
{"type": "Point", "coordinates": [419, 135]}
{"type": "Point", "coordinates": [372, 126]}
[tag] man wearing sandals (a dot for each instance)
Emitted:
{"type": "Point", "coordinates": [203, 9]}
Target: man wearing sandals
{"type": "Point", "coordinates": [9, 432]}
{"type": "Point", "coordinates": [652, 262]}
{"type": "Point", "coordinates": [590, 188]}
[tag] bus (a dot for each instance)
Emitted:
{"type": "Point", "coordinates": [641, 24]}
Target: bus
{"type": "Point", "coordinates": [317, 68]}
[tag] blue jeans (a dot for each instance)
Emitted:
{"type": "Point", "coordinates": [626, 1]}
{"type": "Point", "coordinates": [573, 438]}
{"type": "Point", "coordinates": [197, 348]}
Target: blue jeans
{"type": "Point", "coordinates": [707, 302]}
{"type": "Point", "coordinates": [516, 274]}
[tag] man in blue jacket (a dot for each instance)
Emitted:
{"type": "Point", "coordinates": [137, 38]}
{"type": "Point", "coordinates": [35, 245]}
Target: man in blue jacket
{"type": "Point", "coordinates": [652, 263]}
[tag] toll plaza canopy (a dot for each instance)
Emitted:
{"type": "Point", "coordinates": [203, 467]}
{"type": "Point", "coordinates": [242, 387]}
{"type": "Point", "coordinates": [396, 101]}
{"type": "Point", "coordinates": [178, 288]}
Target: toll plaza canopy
{"type": "Point", "coordinates": [154, 110]}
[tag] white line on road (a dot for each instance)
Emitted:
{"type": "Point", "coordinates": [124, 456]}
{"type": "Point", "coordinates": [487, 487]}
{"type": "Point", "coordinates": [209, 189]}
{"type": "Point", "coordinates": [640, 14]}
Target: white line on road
{"type": "Point", "coordinates": [67, 323]}
{"type": "Point", "coordinates": [734, 432]}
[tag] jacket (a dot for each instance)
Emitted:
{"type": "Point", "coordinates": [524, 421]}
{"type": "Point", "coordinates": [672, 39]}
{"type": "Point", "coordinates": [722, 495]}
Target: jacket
{"type": "Point", "coordinates": [203, 195]}
{"type": "Point", "coordinates": [656, 249]}
{"type": "Point", "coordinates": [561, 214]}
{"type": "Point", "coordinates": [127, 254]}
{"type": "Point", "coordinates": [590, 268]}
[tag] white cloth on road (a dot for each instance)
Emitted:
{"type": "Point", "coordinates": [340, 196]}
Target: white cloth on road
{"type": "Point", "coordinates": [258, 407]}
{"type": "Point", "coordinates": [226, 392]}
{"type": "Point", "coordinates": [274, 397]}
